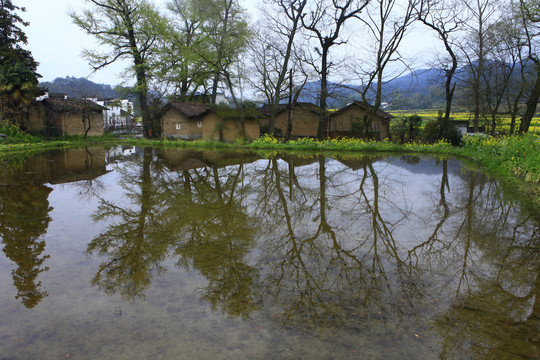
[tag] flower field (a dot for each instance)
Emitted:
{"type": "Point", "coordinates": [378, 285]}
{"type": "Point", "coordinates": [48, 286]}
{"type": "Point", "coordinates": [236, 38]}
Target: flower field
{"type": "Point", "coordinates": [503, 122]}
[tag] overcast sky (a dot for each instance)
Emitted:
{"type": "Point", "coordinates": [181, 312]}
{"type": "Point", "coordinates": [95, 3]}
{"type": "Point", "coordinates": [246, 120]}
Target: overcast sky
{"type": "Point", "coordinates": [56, 43]}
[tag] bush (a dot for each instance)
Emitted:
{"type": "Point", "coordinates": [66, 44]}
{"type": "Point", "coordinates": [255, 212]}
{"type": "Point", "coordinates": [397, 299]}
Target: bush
{"type": "Point", "coordinates": [14, 134]}
{"type": "Point", "coordinates": [433, 132]}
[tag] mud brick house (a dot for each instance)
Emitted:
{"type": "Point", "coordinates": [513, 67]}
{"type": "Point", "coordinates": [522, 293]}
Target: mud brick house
{"type": "Point", "coordinates": [58, 116]}
{"type": "Point", "coordinates": [305, 119]}
{"type": "Point", "coordinates": [348, 121]}
{"type": "Point", "coordinates": [190, 121]}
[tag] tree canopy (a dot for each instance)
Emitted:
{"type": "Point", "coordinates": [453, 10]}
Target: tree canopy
{"type": "Point", "coordinates": [18, 76]}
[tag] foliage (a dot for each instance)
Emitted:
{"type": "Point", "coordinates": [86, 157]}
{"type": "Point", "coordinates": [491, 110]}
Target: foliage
{"type": "Point", "coordinates": [204, 40]}
{"type": "Point", "coordinates": [14, 134]}
{"type": "Point", "coordinates": [129, 30]}
{"type": "Point", "coordinates": [514, 158]}
{"type": "Point", "coordinates": [18, 77]}
{"type": "Point", "coordinates": [519, 155]}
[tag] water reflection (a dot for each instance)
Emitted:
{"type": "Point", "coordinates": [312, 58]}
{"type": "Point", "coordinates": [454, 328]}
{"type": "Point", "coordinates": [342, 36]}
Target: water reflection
{"type": "Point", "coordinates": [24, 210]}
{"type": "Point", "coordinates": [407, 250]}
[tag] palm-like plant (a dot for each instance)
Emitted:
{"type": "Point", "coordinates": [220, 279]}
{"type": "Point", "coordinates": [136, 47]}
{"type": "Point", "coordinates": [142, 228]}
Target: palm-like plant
{"type": "Point", "coordinates": [18, 88]}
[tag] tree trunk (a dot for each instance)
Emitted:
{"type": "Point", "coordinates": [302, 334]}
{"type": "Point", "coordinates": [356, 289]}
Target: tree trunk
{"type": "Point", "coordinates": [323, 124]}
{"type": "Point", "coordinates": [531, 103]}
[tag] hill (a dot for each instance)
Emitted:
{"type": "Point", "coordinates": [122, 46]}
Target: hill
{"type": "Point", "coordinates": [416, 87]}
{"type": "Point", "coordinates": [79, 87]}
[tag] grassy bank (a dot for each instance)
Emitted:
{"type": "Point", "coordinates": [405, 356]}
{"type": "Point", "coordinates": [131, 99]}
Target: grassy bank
{"type": "Point", "coordinates": [514, 160]}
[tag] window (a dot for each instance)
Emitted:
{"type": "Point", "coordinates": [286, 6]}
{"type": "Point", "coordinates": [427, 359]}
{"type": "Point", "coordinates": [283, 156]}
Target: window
{"type": "Point", "coordinates": [177, 126]}
{"type": "Point", "coordinates": [199, 123]}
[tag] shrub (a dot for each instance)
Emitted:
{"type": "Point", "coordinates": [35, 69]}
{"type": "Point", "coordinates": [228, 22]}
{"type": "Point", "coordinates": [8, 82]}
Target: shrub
{"type": "Point", "coordinates": [433, 132]}
{"type": "Point", "coordinates": [14, 134]}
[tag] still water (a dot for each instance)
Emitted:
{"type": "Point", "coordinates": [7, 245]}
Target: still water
{"type": "Point", "coordinates": [131, 253]}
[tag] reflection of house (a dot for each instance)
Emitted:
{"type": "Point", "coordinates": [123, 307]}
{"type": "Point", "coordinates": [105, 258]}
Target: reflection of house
{"type": "Point", "coordinates": [189, 121]}
{"type": "Point", "coordinates": [305, 119]}
{"type": "Point", "coordinates": [58, 116]}
{"type": "Point", "coordinates": [178, 160]}
{"type": "Point", "coordinates": [59, 166]}
{"type": "Point", "coordinates": [349, 121]}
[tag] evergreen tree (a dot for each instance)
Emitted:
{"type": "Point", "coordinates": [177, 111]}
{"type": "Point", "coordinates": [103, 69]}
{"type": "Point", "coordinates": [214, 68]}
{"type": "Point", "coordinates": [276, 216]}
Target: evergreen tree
{"type": "Point", "coordinates": [18, 77]}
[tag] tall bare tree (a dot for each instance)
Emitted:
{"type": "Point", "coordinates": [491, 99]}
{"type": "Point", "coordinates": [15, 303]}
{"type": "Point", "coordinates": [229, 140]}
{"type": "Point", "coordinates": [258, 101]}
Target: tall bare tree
{"type": "Point", "coordinates": [324, 22]}
{"type": "Point", "coordinates": [529, 13]}
{"type": "Point", "coordinates": [483, 15]}
{"type": "Point", "coordinates": [387, 21]}
{"type": "Point", "coordinates": [444, 17]}
{"type": "Point", "coordinates": [278, 49]}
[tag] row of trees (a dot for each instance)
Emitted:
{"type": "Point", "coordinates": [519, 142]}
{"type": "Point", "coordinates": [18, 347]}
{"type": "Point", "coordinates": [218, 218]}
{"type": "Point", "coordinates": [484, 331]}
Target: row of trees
{"type": "Point", "coordinates": [208, 46]}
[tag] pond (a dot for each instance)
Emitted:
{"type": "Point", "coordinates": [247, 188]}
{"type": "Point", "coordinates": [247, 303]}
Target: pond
{"type": "Point", "coordinates": [141, 253]}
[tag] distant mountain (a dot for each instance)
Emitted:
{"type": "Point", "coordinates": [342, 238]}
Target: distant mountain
{"type": "Point", "coordinates": [418, 82]}
{"type": "Point", "coordinates": [79, 88]}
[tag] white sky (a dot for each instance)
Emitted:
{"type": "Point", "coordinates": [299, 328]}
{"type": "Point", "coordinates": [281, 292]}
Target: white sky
{"type": "Point", "coordinates": [56, 43]}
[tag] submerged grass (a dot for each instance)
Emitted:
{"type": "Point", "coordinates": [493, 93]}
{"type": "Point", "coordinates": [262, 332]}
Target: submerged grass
{"type": "Point", "coordinates": [515, 160]}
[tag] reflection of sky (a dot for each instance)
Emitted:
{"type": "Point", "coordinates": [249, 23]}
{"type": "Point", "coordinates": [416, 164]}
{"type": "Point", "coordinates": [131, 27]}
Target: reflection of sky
{"type": "Point", "coordinates": [173, 319]}
{"type": "Point", "coordinates": [408, 195]}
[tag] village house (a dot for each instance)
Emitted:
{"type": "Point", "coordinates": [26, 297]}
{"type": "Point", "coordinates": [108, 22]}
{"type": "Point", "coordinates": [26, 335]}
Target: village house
{"type": "Point", "coordinates": [118, 113]}
{"type": "Point", "coordinates": [60, 116]}
{"type": "Point", "coordinates": [348, 121]}
{"type": "Point", "coordinates": [190, 121]}
{"type": "Point", "coordinates": [305, 119]}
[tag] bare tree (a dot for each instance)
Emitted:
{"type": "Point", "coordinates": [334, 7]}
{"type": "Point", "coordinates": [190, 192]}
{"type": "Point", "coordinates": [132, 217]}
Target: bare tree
{"type": "Point", "coordinates": [278, 50]}
{"type": "Point", "coordinates": [476, 48]}
{"type": "Point", "coordinates": [324, 22]}
{"type": "Point", "coordinates": [387, 22]}
{"type": "Point", "coordinates": [444, 17]}
{"type": "Point", "coordinates": [529, 14]}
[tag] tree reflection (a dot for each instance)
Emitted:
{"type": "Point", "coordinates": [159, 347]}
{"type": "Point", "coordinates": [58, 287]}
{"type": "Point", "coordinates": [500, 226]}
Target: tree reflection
{"type": "Point", "coordinates": [134, 242]}
{"type": "Point", "coordinates": [213, 233]}
{"type": "Point", "coordinates": [317, 243]}
{"type": "Point", "coordinates": [199, 214]}
{"type": "Point", "coordinates": [336, 256]}
{"type": "Point", "coordinates": [321, 275]}
{"type": "Point", "coordinates": [495, 313]}
{"type": "Point", "coordinates": [24, 218]}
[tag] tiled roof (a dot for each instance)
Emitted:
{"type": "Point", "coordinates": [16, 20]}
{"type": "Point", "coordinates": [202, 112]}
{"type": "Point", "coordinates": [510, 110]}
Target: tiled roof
{"type": "Point", "coordinates": [189, 110]}
{"type": "Point", "coordinates": [72, 105]}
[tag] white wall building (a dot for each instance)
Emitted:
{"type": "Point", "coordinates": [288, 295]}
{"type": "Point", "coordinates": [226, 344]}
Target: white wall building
{"type": "Point", "coordinates": [119, 113]}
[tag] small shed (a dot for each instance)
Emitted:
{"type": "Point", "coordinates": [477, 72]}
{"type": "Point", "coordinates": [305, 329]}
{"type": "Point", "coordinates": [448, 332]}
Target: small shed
{"type": "Point", "coordinates": [348, 121]}
{"type": "Point", "coordinates": [461, 126]}
{"type": "Point", "coordinates": [305, 119]}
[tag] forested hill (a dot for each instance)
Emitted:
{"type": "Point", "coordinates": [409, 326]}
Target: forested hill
{"type": "Point", "coordinates": [79, 87]}
{"type": "Point", "coordinates": [414, 89]}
